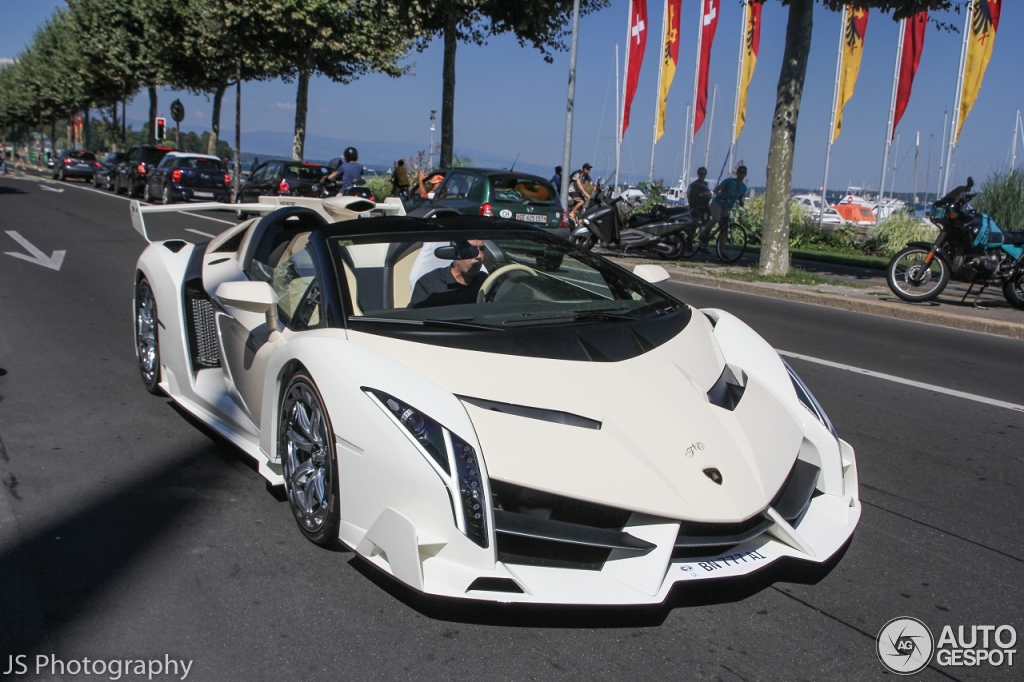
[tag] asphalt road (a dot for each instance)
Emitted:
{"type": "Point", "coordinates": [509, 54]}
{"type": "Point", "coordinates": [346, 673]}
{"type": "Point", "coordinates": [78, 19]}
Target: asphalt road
{"type": "Point", "coordinates": [128, 532]}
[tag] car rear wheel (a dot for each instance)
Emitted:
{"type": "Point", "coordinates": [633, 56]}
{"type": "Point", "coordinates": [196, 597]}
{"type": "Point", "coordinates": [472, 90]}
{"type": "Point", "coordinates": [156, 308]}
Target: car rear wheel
{"type": "Point", "coordinates": [165, 196]}
{"type": "Point", "coordinates": [147, 341]}
{"type": "Point", "coordinates": [310, 466]}
{"type": "Point", "coordinates": [60, 175]}
{"type": "Point", "coordinates": [117, 184]}
{"type": "Point", "coordinates": [95, 181]}
{"type": "Point", "coordinates": [241, 215]}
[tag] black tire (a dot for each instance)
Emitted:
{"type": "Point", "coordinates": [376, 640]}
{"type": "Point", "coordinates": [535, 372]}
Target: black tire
{"type": "Point", "coordinates": [689, 237]}
{"type": "Point", "coordinates": [165, 196]}
{"type": "Point", "coordinates": [60, 175]}
{"type": "Point", "coordinates": [95, 181]}
{"type": "Point", "coordinates": [907, 280]}
{"type": "Point", "coordinates": [145, 194]}
{"type": "Point", "coordinates": [1013, 290]}
{"type": "Point", "coordinates": [309, 462]}
{"type": "Point", "coordinates": [241, 215]}
{"type": "Point", "coordinates": [732, 243]}
{"type": "Point", "coordinates": [147, 336]}
{"type": "Point", "coordinates": [676, 242]}
{"type": "Point", "coordinates": [117, 184]}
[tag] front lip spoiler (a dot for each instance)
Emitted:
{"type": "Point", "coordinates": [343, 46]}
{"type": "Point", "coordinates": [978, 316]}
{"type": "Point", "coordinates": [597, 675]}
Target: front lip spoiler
{"type": "Point", "coordinates": [524, 525]}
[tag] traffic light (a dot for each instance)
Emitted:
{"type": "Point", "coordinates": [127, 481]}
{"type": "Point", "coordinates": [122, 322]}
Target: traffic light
{"type": "Point", "coordinates": [161, 128]}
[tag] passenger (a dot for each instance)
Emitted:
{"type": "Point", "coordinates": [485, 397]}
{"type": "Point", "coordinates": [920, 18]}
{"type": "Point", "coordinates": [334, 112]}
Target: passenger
{"type": "Point", "coordinates": [452, 284]}
{"type": "Point", "coordinates": [579, 181]}
{"type": "Point", "coordinates": [350, 172]}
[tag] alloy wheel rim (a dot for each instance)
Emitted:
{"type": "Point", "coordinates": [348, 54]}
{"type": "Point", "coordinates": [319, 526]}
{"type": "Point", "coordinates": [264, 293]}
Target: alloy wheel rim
{"type": "Point", "coordinates": [145, 332]}
{"type": "Point", "coordinates": [306, 457]}
{"type": "Point", "coordinates": [912, 276]}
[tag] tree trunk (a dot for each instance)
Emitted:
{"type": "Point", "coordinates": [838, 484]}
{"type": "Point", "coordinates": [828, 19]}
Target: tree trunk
{"type": "Point", "coordinates": [451, 41]}
{"type": "Point", "coordinates": [301, 105]}
{"type": "Point", "coordinates": [218, 97]}
{"type": "Point", "coordinates": [152, 114]}
{"type": "Point", "coordinates": [85, 130]}
{"type": "Point", "coordinates": [113, 128]}
{"type": "Point", "coordinates": [238, 130]}
{"type": "Point", "coordinates": [775, 239]}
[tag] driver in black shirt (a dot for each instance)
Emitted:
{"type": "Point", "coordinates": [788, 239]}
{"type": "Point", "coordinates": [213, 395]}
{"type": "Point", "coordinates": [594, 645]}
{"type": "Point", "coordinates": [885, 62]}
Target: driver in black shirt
{"type": "Point", "coordinates": [452, 284]}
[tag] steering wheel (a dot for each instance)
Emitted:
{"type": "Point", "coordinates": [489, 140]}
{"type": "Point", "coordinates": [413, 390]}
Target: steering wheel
{"type": "Point", "coordinates": [485, 288]}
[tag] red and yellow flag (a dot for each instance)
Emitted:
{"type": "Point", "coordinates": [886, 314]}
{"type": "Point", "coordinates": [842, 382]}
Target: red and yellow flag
{"type": "Point", "coordinates": [980, 39]}
{"type": "Point", "coordinates": [856, 26]}
{"type": "Point", "coordinates": [669, 59]}
{"type": "Point", "coordinates": [752, 44]}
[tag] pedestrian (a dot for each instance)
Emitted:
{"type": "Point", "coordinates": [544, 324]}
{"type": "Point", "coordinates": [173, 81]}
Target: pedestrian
{"type": "Point", "coordinates": [698, 196]}
{"type": "Point", "coordinates": [400, 179]}
{"type": "Point", "coordinates": [556, 179]}
{"type": "Point", "coordinates": [727, 193]}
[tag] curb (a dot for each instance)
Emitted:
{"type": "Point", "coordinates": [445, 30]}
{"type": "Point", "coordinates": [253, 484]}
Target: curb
{"type": "Point", "coordinates": [900, 311]}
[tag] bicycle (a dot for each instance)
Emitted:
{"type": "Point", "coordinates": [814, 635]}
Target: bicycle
{"type": "Point", "coordinates": [730, 243]}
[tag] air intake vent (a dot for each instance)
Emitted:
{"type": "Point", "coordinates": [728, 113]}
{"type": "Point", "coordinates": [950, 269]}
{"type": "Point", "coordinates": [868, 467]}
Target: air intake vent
{"type": "Point", "coordinates": [495, 585]}
{"type": "Point", "coordinates": [202, 331]}
{"type": "Point", "coordinates": [231, 245]}
{"type": "Point", "coordinates": [728, 390]}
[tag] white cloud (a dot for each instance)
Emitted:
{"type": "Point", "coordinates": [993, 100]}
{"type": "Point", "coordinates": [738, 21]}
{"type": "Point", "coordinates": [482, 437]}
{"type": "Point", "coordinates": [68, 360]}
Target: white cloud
{"type": "Point", "coordinates": [285, 105]}
{"type": "Point", "coordinates": [4, 61]}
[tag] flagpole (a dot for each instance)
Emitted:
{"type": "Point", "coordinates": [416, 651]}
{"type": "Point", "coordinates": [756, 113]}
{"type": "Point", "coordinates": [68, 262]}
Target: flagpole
{"type": "Point", "coordinates": [942, 153]}
{"type": "Point", "coordinates": [685, 146]}
{"type": "Point", "coordinates": [657, 103]}
{"type": "Point", "coordinates": [696, 79]}
{"type": "Point", "coordinates": [619, 107]}
{"type": "Point", "coordinates": [959, 97]}
{"type": "Point", "coordinates": [895, 160]}
{"type": "Point", "coordinates": [711, 126]}
{"type": "Point", "coordinates": [739, 79]}
{"type": "Point", "coordinates": [892, 117]}
{"type": "Point", "coordinates": [832, 125]}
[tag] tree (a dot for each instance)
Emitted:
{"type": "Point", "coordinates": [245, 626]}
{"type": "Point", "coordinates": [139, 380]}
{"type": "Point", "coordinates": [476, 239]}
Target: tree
{"type": "Point", "coordinates": [541, 23]}
{"type": "Point", "coordinates": [775, 243]}
{"type": "Point", "coordinates": [340, 39]}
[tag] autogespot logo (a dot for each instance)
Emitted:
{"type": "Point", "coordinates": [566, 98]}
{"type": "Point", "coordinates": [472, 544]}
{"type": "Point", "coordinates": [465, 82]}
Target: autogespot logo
{"type": "Point", "coordinates": [905, 645]}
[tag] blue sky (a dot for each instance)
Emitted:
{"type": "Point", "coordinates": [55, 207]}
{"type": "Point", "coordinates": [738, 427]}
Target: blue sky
{"type": "Point", "coordinates": [509, 102]}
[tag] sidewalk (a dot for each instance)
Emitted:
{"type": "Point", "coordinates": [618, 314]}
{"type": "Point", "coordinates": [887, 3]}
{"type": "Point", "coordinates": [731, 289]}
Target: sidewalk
{"type": "Point", "coordinates": [862, 290]}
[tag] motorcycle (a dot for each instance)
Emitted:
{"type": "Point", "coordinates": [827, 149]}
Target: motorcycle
{"type": "Point", "coordinates": [970, 247]}
{"type": "Point", "coordinates": [659, 231]}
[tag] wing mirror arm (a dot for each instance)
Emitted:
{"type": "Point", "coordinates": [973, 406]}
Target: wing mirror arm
{"type": "Point", "coordinates": [254, 297]}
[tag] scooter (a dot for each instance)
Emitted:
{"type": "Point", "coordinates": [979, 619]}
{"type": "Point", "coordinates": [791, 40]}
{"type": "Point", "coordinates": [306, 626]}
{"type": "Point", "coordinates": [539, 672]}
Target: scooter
{"type": "Point", "coordinates": [658, 231]}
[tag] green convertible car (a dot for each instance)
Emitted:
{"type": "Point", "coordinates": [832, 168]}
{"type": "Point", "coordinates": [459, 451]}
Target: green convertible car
{"type": "Point", "coordinates": [502, 194]}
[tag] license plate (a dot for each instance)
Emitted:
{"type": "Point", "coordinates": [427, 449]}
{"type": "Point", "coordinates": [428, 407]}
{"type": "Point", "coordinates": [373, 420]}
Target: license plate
{"type": "Point", "coordinates": [531, 217]}
{"type": "Point", "coordinates": [204, 194]}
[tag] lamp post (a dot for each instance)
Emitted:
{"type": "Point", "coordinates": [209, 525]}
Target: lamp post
{"type": "Point", "coordinates": [433, 116]}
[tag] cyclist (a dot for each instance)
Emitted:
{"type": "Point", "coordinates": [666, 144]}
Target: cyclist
{"type": "Point", "coordinates": [728, 192]}
{"type": "Point", "coordinates": [578, 194]}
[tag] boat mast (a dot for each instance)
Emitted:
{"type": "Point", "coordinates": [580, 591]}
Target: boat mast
{"type": "Point", "coordinates": [1016, 127]}
{"type": "Point", "coordinates": [620, 106]}
{"type": "Point", "coordinates": [711, 126]}
{"type": "Point", "coordinates": [657, 102]}
{"type": "Point", "coordinates": [832, 125]}
{"type": "Point", "coordinates": [969, 16]}
{"type": "Point", "coordinates": [917, 150]}
{"type": "Point", "coordinates": [895, 161]}
{"type": "Point", "coordinates": [892, 116]}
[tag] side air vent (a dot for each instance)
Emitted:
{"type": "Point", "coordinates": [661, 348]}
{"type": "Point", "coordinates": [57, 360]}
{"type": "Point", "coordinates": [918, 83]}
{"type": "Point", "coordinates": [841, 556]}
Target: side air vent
{"type": "Point", "coordinates": [795, 496]}
{"type": "Point", "coordinates": [202, 331]}
{"type": "Point", "coordinates": [174, 245]}
{"type": "Point", "coordinates": [556, 416]}
{"type": "Point", "coordinates": [231, 245]}
{"type": "Point", "coordinates": [728, 390]}
{"type": "Point", "coordinates": [495, 585]}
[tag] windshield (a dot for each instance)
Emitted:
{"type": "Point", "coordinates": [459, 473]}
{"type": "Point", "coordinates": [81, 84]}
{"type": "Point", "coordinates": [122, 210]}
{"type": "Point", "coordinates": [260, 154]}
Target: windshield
{"type": "Point", "coordinates": [487, 279]}
{"type": "Point", "coordinates": [521, 189]}
{"type": "Point", "coordinates": [307, 172]}
{"type": "Point", "coordinates": [200, 163]}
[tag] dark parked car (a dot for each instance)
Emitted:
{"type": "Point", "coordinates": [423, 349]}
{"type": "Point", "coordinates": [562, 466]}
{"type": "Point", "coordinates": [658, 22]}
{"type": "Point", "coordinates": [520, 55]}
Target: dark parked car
{"type": "Point", "coordinates": [188, 177]}
{"type": "Point", "coordinates": [282, 178]}
{"type": "Point", "coordinates": [74, 164]}
{"type": "Point", "coordinates": [502, 194]}
{"type": "Point", "coordinates": [105, 170]}
{"type": "Point", "coordinates": [133, 173]}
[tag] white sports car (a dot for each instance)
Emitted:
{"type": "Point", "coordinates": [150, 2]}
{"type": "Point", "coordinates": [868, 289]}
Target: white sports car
{"type": "Point", "coordinates": [485, 411]}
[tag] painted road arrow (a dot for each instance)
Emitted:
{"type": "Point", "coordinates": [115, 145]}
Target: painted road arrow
{"type": "Point", "coordinates": [50, 189]}
{"type": "Point", "coordinates": [38, 257]}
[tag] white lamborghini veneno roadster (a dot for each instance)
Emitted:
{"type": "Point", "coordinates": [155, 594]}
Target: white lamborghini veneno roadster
{"type": "Point", "coordinates": [485, 411]}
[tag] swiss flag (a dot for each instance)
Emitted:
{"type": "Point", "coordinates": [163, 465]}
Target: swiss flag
{"type": "Point", "coordinates": [634, 54]}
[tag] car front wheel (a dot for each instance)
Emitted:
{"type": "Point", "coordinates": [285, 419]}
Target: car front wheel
{"type": "Point", "coordinates": [165, 196]}
{"type": "Point", "coordinates": [310, 466]}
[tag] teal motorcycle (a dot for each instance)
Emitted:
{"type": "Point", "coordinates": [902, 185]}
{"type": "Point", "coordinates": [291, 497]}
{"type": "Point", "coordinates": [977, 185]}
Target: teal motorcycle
{"type": "Point", "coordinates": [970, 248]}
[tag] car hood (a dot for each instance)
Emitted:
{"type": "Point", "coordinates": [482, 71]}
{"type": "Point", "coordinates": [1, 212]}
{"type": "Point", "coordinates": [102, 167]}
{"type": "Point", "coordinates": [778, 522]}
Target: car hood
{"type": "Point", "coordinates": [657, 434]}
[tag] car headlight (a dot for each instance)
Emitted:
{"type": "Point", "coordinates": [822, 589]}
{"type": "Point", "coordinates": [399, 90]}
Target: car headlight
{"type": "Point", "coordinates": [809, 401]}
{"type": "Point", "coordinates": [445, 451]}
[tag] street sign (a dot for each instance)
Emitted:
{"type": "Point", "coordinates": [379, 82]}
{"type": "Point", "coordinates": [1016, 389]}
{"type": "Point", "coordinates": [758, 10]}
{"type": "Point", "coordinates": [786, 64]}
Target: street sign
{"type": "Point", "coordinates": [177, 111]}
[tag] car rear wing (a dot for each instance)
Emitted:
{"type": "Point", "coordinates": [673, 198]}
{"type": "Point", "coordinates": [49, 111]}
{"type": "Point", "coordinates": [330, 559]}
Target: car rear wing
{"type": "Point", "coordinates": [333, 210]}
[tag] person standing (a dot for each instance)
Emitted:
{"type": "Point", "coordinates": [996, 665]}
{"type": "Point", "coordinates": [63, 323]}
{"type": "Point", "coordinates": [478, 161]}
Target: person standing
{"type": "Point", "coordinates": [556, 179]}
{"type": "Point", "coordinates": [698, 196]}
{"type": "Point", "coordinates": [728, 192]}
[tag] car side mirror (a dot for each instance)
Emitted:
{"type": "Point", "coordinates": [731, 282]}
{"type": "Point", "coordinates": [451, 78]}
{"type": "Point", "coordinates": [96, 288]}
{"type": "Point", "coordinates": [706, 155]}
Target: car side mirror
{"type": "Point", "coordinates": [651, 273]}
{"type": "Point", "coordinates": [253, 297]}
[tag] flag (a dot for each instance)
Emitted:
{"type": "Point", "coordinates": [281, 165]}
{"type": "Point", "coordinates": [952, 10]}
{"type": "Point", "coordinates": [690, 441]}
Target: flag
{"type": "Point", "coordinates": [751, 45]}
{"type": "Point", "coordinates": [709, 22]}
{"type": "Point", "coordinates": [634, 54]}
{"type": "Point", "coordinates": [913, 44]}
{"type": "Point", "coordinates": [853, 50]}
{"type": "Point", "coordinates": [669, 59]}
{"type": "Point", "coordinates": [982, 36]}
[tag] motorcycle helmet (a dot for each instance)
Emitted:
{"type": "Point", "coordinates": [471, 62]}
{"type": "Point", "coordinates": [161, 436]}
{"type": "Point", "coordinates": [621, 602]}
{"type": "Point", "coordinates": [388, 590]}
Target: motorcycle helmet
{"type": "Point", "coordinates": [351, 155]}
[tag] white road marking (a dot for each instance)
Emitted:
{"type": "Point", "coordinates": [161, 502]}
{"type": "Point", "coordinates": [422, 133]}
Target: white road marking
{"type": "Point", "coordinates": [205, 234]}
{"type": "Point", "coordinates": [38, 257]}
{"type": "Point", "coordinates": [51, 189]}
{"type": "Point", "coordinates": [906, 382]}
